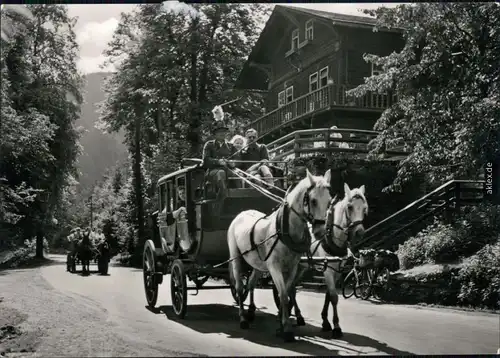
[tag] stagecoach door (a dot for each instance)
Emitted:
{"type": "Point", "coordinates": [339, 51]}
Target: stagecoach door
{"type": "Point", "coordinates": [166, 228]}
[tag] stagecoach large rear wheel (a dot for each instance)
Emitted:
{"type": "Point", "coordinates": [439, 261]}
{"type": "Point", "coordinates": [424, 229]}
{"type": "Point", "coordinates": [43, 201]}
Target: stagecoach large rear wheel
{"type": "Point", "coordinates": [178, 288]}
{"type": "Point", "coordinates": [149, 272]}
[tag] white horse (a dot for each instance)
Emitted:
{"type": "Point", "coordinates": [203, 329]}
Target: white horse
{"type": "Point", "coordinates": [344, 223]}
{"type": "Point", "coordinates": [275, 243]}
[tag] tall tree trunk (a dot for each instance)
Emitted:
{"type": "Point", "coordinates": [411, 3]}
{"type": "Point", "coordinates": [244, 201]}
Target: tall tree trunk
{"type": "Point", "coordinates": [138, 176]}
{"type": "Point", "coordinates": [39, 244]}
{"type": "Point", "coordinates": [194, 134]}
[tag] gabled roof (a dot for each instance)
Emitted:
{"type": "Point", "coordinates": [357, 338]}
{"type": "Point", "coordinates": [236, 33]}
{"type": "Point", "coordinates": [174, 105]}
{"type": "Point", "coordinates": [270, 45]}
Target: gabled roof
{"type": "Point", "coordinates": [261, 48]}
{"type": "Point", "coordinates": [335, 17]}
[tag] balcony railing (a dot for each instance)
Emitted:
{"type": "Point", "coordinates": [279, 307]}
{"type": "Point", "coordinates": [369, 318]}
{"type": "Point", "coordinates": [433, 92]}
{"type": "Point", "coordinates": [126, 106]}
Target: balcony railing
{"type": "Point", "coordinates": [324, 140]}
{"type": "Point", "coordinates": [320, 100]}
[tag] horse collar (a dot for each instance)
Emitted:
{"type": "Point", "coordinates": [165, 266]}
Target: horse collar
{"type": "Point", "coordinates": [283, 231]}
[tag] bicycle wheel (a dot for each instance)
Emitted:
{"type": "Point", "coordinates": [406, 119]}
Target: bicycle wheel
{"type": "Point", "coordinates": [381, 283]}
{"type": "Point", "coordinates": [363, 287]}
{"type": "Point", "coordinates": [349, 285]}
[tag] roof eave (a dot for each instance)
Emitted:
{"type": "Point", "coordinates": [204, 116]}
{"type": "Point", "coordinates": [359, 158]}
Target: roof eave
{"type": "Point", "coordinates": [365, 26]}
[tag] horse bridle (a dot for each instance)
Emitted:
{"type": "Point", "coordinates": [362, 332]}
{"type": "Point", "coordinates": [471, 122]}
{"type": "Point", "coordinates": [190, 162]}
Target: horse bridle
{"type": "Point", "coordinates": [350, 224]}
{"type": "Point", "coordinates": [306, 203]}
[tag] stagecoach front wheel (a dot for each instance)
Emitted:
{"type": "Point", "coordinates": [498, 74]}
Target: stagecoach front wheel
{"type": "Point", "coordinates": [178, 288]}
{"type": "Point", "coordinates": [148, 270]}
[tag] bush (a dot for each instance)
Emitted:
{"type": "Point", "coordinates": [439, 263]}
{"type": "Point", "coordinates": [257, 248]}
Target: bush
{"type": "Point", "coordinates": [435, 284]}
{"type": "Point", "coordinates": [480, 277]}
{"type": "Point", "coordinates": [20, 255]}
{"type": "Point", "coordinates": [440, 243]}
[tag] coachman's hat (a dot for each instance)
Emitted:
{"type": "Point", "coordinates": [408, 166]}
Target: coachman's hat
{"type": "Point", "coordinates": [219, 126]}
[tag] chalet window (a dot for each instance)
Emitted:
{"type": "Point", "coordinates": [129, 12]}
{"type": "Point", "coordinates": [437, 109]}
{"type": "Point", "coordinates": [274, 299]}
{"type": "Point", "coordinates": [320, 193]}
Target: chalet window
{"type": "Point", "coordinates": [289, 94]}
{"type": "Point", "coordinates": [313, 82]}
{"type": "Point", "coordinates": [309, 30]}
{"type": "Point", "coordinates": [295, 39]}
{"type": "Point", "coordinates": [323, 77]}
{"type": "Point", "coordinates": [281, 99]}
{"type": "Point", "coordinates": [376, 70]}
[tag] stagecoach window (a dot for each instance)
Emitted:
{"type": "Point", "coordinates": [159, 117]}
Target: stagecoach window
{"type": "Point", "coordinates": [162, 197]}
{"type": "Point", "coordinates": [170, 196]}
{"type": "Point", "coordinates": [181, 186]}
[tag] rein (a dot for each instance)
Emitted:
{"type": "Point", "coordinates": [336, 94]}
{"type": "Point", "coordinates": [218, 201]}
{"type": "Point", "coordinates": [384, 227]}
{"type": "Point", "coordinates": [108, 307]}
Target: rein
{"type": "Point", "coordinates": [327, 242]}
{"type": "Point", "coordinates": [307, 218]}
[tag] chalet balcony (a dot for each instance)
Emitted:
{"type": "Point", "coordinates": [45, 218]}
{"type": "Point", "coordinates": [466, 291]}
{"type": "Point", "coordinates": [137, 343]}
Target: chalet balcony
{"type": "Point", "coordinates": [304, 143]}
{"type": "Point", "coordinates": [323, 99]}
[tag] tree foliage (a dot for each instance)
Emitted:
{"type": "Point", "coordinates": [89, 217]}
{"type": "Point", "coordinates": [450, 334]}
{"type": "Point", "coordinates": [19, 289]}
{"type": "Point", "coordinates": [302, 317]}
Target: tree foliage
{"type": "Point", "coordinates": [446, 79]}
{"type": "Point", "coordinates": [41, 99]}
{"type": "Point", "coordinates": [175, 62]}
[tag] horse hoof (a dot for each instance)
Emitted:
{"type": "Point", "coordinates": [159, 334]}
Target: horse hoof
{"type": "Point", "coordinates": [288, 337]}
{"type": "Point", "coordinates": [337, 333]}
{"type": "Point", "coordinates": [326, 327]}
{"type": "Point", "coordinates": [250, 316]}
{"type": "Point", "coordinates": [244, 325]}
{"type": "Point", "coordinates": [300, 321]}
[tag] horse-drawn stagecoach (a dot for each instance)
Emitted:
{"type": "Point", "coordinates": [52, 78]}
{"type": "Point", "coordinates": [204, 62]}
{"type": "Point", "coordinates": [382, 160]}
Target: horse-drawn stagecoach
{"type": "Point", "coordinates": [205, 254]}
{"type": "Point", "coordinates": [250, 235]}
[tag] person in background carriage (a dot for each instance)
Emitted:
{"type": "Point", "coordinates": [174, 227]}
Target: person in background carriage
{"type": "Point", "coordinates": [73, 239]}
{"type": "Point", "coordinates": [216, 155]}
{"type": "Point", "coordinates": [256, 152]}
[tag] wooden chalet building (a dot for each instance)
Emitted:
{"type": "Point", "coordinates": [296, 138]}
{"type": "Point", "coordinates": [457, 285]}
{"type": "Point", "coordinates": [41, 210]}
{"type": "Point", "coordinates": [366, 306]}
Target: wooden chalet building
{"type": "Point", "coordinates": [306, 60]}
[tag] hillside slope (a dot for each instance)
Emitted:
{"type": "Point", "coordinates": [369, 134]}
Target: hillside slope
{"type": "Point", "coordinates": [100, 151]}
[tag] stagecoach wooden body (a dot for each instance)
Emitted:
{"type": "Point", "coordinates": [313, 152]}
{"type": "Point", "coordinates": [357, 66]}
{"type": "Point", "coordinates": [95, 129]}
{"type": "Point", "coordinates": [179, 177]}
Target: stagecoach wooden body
{"type": "Point", "coordinates": [208, 254]}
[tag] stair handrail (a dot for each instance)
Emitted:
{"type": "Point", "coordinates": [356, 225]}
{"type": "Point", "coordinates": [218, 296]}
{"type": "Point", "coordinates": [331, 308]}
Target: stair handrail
{"type": "Point", "coordinates": [412, 204]}
{"type": "Point", "coordinates": [416, 203]}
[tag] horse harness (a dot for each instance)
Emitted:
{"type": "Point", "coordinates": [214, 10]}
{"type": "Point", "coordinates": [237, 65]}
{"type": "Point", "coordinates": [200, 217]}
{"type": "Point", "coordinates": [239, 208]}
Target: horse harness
{"type": "Point", "coordinates": [329, 245]}
{"type": "Point", "coordinates": [282, 227]}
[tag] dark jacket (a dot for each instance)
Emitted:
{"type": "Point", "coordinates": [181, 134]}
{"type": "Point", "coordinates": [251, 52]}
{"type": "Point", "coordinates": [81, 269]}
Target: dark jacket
{"type": "Point", "coordinates": [255, 153]}
{"type": "Point", "coordinates": [212, 152]}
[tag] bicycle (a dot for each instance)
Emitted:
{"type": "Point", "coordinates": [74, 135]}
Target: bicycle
{"type": "Point", "coordinates": [351, 280]}
{"type": "Point", "coordinates": [375, 274]}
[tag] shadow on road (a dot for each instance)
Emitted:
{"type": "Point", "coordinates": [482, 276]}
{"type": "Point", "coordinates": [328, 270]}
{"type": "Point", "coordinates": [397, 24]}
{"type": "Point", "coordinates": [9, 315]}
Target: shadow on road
{"type": "Point", "coordinates": [213, 318]}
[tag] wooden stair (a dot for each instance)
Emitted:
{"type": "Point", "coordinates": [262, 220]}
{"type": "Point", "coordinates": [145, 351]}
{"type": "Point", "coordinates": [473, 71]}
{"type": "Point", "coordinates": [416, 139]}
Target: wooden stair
{"type": "Point", "coordinates": [443, 201]}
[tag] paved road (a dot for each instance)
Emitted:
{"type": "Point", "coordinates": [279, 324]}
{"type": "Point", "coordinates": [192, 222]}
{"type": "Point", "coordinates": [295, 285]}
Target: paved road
{"type": "Point", "coordinates": [106, 315]}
